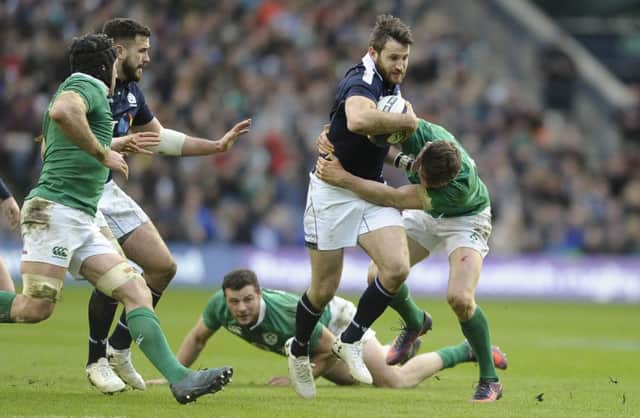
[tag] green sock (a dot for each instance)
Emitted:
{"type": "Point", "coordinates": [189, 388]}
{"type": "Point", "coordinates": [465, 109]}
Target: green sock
{"type": "Point", "coordinates": [402, 303]}
{"type": "Point", "coordinates": [145, 331]}
{"type": "Point", "coordinates": [454, 354]}
{"type": "Point", "coordinates": [6, 300]}
{"type": "Point", "coordinates": [476, 329]}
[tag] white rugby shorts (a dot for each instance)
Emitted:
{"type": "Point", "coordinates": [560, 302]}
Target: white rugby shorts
{"type": "Point", "coordinates": [57, 234]}
{"type": "Point", "coordinates": [123, 215]}
{"type": "Point", "coordinates": [334, 217]}
{"type": "Point", "coordinates": [449, 233]}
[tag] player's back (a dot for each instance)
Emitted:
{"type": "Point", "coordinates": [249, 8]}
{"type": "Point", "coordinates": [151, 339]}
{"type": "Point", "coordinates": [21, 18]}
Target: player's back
{"type": "Point", "coordinates": [356, 153]}
{"type": "Point", "coordinates": [69, 175]}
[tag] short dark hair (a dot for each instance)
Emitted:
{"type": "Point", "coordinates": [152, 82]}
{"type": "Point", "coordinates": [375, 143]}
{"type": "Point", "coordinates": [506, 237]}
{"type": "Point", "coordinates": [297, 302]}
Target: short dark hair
{"type": "Point", "coordinates": [125, 29]}
{"type": "Point", "coordinates": [440, 163]}
{"type": "Point", "coordinates": [388, 26]}
{"type": "Point", "coordinates": [237, 279]}
{"type": "Point", "coordinates": [93, 54]}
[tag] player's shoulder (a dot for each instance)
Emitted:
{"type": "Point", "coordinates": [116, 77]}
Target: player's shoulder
{"type": "Point", "coordinates": [129, 92]}
{"type": "Point", "coordinates": [84, 82]}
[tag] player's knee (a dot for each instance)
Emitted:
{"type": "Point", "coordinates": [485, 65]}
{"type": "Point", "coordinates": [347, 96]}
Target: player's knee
{"type": "Point", "coordinates": [372, 272]}
{"type": "Point", "coordinates": [160, 275]}
{"type": "Point", "coordinates": [123, 283]}
{"type": "Point", "coordinates": [35, 310]}
{"type": "Point", "coordinates": [461, 302]}
{"type": "Point", "coordinates": [394, 275]}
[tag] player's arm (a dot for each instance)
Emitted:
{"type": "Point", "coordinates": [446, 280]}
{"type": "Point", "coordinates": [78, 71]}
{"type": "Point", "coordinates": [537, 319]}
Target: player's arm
{"type": "Point", "coordinates": [405, 197]}
{"type": "Point", "coordinates": [69, 112]}
{"type": "Point", "coordinates": [365, 119]}
{"type": "Point", "coordinates": [194, 343]}
{"type": "Point", "coordinates": [177, 143]}
{"type": "Point", "coordinates": [8, 205]}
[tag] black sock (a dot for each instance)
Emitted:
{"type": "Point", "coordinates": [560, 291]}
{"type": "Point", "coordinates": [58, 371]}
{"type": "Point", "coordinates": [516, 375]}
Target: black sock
{"type": "Point", "coordinates": [373, 302]}
{"type": "Point", "coordinates": [102, 309]}
{"type": "Point", "coordinates": [121, 338]}
{"type": "Point", "coordinates": [307, 317]}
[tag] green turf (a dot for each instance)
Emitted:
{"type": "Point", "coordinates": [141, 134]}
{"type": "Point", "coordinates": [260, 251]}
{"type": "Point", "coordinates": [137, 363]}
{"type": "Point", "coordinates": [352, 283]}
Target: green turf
{"type": "Point", "coordinates": [581, 359]}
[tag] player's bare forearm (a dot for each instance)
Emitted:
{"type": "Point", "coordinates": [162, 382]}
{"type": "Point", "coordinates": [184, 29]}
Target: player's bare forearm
{"type": "Point", "coordinates": [365, 119]}
{"type": "Point", "coordinates": [68, 111]}
{"type": "Point", "coordinates": [194, 343]}
{"type": "Point", "coordinates": [405, 197]}
{"type": "Point", "coordinates": [198, 146]}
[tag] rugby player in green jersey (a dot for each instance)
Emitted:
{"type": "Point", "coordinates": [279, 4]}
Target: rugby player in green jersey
{"type": "Point", "coordinates": [446, 206]}
{"type": "Point", "coordinates": [265, 318]}
{"type": "Point", "coordinates": [11, 212]}
{"type": "Point", "coordinates": [58, 222]}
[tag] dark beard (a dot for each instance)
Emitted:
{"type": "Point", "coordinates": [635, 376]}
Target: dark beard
{"type": "Point", "coordinates": [129, 72]}
{"type": "Point", "coordinates": [380, 70]}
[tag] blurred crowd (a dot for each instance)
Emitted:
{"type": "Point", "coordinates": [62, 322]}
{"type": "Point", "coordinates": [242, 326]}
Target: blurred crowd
{"type": "Point", "coordinates": [279, 62]}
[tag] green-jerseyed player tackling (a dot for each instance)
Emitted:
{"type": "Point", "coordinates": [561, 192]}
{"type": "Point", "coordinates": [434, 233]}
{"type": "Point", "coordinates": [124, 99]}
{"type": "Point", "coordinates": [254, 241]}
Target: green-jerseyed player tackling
{"type": "Point", "coordinates": [265, 318]}
{"type": "Point", "coordinates": [446, 206]}
{"type": "Point", "coordinates": [58, 222]}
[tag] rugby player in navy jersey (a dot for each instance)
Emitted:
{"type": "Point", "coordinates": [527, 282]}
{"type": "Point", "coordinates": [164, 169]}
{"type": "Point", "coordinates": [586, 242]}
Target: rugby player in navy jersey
{"type": "Point", "coordinates": [11, 213]}
{"type": "Point", "coordinates": [126, 221]}
{"type": "Point", "coordinates": [336, 218]}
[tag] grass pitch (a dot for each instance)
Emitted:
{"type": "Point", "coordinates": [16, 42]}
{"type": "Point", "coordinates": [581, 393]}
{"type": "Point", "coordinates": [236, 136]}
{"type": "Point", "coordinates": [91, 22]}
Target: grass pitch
{"type": "Point", "coordinates": [565, 360]}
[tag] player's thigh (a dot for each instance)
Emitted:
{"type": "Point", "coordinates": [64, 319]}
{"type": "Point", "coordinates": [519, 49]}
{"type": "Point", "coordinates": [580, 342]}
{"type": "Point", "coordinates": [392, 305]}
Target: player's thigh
{"type": "Point", "coordinates": [146, 248]}
{"type": "Point", "coordinates": [465, 265]}
{"type": "Point", "coordinates": [374, 357]}
{"type": "Point", "coordinates": [340, 375]}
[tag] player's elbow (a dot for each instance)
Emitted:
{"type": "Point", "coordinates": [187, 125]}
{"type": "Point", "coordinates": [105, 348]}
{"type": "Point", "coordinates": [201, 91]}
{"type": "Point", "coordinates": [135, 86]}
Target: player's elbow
{"type": "Point", "coordinates": [357, 124]}
{"type": "Point", "coordinates": [58, 113]}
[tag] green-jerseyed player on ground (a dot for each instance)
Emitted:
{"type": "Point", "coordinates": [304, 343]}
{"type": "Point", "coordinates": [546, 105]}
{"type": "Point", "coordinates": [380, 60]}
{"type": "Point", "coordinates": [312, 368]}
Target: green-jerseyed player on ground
{"type": "Point", "coordinates": [447, 206]}
{"type": "Point", "coordinates": [58, 221]}
{"type": "Point", "coordinates": [265, 318]}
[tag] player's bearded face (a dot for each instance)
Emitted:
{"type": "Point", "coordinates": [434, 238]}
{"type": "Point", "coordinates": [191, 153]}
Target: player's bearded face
{"type": "Point", "coordinates": [132, 70]}
{"type": "Point", "coordinates": [392, 61]}
{"type": "Point", "coordinates": [137, 57]}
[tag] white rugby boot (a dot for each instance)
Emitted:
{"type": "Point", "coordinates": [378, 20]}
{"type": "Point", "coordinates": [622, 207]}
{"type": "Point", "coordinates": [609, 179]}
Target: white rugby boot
{"type": "Point", "coordinates": [300, 373]}
{"type": "Point", "coordinates": [120, 362]}
{"type": "Point", "coordinates": [103, 378]}
{"type": "Point", "coordinates": [351, 354]}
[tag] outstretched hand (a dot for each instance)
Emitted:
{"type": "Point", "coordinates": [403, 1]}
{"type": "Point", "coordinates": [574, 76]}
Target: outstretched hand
{"type": "Point", "coordinates": [229, 138]}
{"type": "Point", "coordinates": [138, 142]}
{"type": "Point", "coordinates": [279, 381]}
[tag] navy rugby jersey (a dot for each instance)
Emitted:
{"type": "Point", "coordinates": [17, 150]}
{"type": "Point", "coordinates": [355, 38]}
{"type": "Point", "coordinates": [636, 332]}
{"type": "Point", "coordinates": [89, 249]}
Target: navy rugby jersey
{"type": "Point", "coordinates": [128, 108]}
{"type": "Point", "coordinates": [356, 153]}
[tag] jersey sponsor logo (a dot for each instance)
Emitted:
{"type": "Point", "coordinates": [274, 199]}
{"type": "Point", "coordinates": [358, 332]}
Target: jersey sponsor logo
{"type": "Point", "coordinates": [235, 329]}
{"type": "Point", "coordinates": [60, 252]}
{"type": "Point", "coordinates": [270, 338]}
{"type": "Point", "coordinates": [132, 99]}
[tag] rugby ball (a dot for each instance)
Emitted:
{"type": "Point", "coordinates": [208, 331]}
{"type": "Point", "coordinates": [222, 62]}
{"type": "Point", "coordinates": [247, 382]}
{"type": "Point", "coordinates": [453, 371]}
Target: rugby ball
{"type": "Point", "coordinates": [390, 104]}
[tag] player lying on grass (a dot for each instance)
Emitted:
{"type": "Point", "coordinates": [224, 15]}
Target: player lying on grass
{"type": "Point", "coordinates": [265, 318]}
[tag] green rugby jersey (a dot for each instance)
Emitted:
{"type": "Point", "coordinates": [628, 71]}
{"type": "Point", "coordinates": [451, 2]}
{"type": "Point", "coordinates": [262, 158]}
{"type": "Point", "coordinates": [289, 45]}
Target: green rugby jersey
{"type": "Point", "coordinates": [276, 322]}
{"type": "Point", "coordinates": [69, 175]}
{"type": "Point", "coordinates": [465, 195]}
